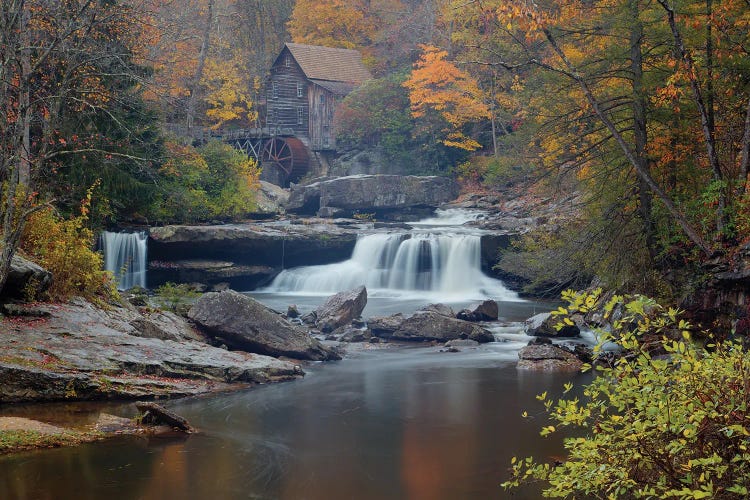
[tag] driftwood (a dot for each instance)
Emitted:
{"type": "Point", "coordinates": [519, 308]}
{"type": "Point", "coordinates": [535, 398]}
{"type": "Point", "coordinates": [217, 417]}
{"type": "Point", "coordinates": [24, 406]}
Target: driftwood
{"type": "Point", "coordinates": [154, 414]}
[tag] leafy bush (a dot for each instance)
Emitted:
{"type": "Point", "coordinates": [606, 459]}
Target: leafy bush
{"type": "Point", "coordinates": [176, 298]}
{"type": "Point", "coordinates": [491, 171]}
{"type": "Point", "coordinates": [64, 247]}
{"type": "Point", "coordinates": [376, 114]}
{"type": "Point", "coordinates": [214, 181]}
{"type": "Point", "coordinates": [669, 426]}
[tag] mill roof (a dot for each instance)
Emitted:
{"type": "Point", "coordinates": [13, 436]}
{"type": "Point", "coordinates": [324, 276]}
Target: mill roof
{"type": "Point", "coordinates": [329, 64]}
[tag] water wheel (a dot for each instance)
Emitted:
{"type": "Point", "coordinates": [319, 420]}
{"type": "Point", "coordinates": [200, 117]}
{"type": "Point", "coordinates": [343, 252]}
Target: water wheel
{"type": "Point", "coordinates": [288, 155]}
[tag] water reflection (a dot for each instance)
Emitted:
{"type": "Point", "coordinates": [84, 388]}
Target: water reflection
{"type": "Point", "coordinates": [404, 424]}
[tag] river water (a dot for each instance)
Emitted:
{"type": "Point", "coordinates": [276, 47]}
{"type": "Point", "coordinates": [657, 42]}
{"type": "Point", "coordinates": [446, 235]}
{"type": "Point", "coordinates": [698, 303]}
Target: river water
{"type": "Point", "coordinates": [404, 423]}
{"type": "Point", "coordinates": [387, 422]}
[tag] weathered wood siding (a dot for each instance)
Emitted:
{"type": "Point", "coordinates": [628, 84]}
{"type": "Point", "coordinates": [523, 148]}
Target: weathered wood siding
{"type": "Point", "coordinates": [286, 106]}
{"type": "Point", "coordinates": [322, 106]}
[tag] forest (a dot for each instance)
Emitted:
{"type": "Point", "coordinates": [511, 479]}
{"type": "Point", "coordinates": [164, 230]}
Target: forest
{"type": "Point", "coordinates": [641, 108]}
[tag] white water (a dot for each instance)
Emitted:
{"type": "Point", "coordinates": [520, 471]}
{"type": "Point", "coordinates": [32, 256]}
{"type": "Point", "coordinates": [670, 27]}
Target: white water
{"type": "Point", "coordinates": [451, 217]}
{"type": "Point", "coordinates": [125, 256]}
{"type": "Point", "coordinates": [438, 265]}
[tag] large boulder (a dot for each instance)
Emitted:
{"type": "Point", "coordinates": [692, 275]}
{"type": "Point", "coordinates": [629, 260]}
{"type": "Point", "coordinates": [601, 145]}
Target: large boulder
{"type": "Point", "coordinates": [276, 245]}
{"type": "Point", "coordinates": [340, 309]}
{"type": "Point", "coordinates": [484, 311]}
{"type": "Point", "coordinates": [543, 325]}
{"type": "Point", "coordinates": [378, 194]}
{"type": "Point", "coordinates": [25, 278]}
{"type": "Point", "coordinates": [82, 352]}
{"type": "Point", "coordinates": [270, 198]}
{"type": "Point", "coordinates": [427, 325]}
{"type": "Point", "coordinates": [246, 324]}
{"type": "Point", "coordinates": [548, 357]}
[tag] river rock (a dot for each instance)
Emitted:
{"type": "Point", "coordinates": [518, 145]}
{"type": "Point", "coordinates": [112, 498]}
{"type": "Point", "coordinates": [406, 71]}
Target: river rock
{"type": "Point", "coordinates": [385, 326]}
{"type": "Point", "coordinates": [548, 357]}
{"type": "Point", "coordinates": [428, 325]}
{"type": "Point", "coordinates": [164, 325]}
{"type": "Point", "coordinates": [244, 323]}
{"type": "Point", "coordinates": [484, 311]}
{"type": "Point", "coordinates": [352, 334]}
{"type": "Point", "coordinates": [155, 414]}
{"type": "Point", "coordinates": [246, 255]}
{"type": "Point", "coordinates": [543, 325]}
{"type": "Point", "coordinates": [292, 311]}
{"type": "Point", "coordinates": [441, 309]}
{"type": "Point", "coordinates": [372, 193]}
{"type": "Point", "coordinates": [81, 352]}
{"type": "Point", "coordinates": [462, 343]}
{"type": "Point", "coordinates": [340, 309]}
{"type": "Point", "coordinates": [25, 278]}
{"type": "Point", "coordinates": [270, 198]}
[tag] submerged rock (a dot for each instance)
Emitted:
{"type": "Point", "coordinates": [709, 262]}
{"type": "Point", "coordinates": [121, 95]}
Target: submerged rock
{"type": "Point", "coordinates": [341, 309]}
{"type": "Point", "coordinates": [462, 343]}
{"type": "Point", "coordinates": [543, 325]}
{"type": "Point", "coordinates": [244, 323]}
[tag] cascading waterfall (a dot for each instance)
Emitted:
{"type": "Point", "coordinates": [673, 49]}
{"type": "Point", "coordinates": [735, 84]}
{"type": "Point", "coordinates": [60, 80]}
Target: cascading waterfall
{"type": "Point", "coordinates": [125, 256]}
{"type": "Point", "coordinates": [445, 264]}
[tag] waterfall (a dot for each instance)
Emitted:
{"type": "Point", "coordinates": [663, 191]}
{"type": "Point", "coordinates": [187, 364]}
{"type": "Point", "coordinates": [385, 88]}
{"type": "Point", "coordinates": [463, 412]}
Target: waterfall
{"type": "Point", "coordinates": [444, 264]}
{"type": "Point", "coordinates": [125, 256]}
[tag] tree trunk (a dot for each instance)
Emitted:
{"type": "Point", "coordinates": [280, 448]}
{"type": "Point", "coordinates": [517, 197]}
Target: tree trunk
{"type": "Point", "coordinates": [645, 175]}
{"type": "Point", "coordinates": [18, 172]}
{"type": "Point", "coordinates": [703, 109]}
{"type": "Point", "coordinates": [202, 55]}
{"type": "Point", "coordinates": [493, 117]}
{"type": "Point", "coordinates": [640, 129]}
{"type": "Point", "coordinates": [745, 155]}
{"type": "Point", "coordinates": [24, 101]}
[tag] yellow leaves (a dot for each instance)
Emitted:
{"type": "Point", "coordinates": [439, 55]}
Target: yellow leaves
{"type": "Point", "coordinates": [227, 93]}
{"type": "Point", "coordinates": [334, 23]}
{"type": "Point", "coordinates": [437, 85]}
{"type": "Point", "coordinates": [547, 430]}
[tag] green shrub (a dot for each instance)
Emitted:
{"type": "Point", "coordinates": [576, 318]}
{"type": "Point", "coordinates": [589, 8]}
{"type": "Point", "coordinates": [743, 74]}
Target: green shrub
{"type": "Point", "coordinates": [176, 298]}
{"type": "Point", "coordinates": [670, 426]}
{"type": "Point", "coordinates": [215, 181]}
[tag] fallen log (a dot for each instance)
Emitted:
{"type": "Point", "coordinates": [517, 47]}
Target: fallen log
{"type": "Point", "coordinates": [154, 414]}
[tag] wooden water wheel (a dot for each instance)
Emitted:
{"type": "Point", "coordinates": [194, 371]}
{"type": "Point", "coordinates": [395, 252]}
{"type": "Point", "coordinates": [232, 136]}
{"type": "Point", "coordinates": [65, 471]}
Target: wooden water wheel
{"type": "Point", "coordinates": [287, 154]}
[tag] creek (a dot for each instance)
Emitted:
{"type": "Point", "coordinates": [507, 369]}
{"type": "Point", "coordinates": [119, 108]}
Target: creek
{"type": "Point", "coordinates": [387, 422]}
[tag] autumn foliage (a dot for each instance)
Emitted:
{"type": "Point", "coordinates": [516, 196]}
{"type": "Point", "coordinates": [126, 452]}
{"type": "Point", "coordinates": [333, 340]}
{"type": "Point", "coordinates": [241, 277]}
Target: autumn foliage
{"type": "Point", "coordinates": [437, 86]}
{"type": "Point", "coordinates": [65, 248]}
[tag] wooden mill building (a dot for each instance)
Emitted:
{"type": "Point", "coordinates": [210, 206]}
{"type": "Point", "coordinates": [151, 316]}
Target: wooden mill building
{"type": "Point", "coordinates": [304, 87]}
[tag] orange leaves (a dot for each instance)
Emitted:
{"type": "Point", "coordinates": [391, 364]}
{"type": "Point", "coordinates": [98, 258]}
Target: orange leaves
{"type": "Point", "coordinates": [525, 15]}
{"type": "Point", "coordinates": [437, 85]}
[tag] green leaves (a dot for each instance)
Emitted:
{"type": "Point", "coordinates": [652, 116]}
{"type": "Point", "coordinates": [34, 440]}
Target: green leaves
{"type": "Point", "coordinates": [652, 428]}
